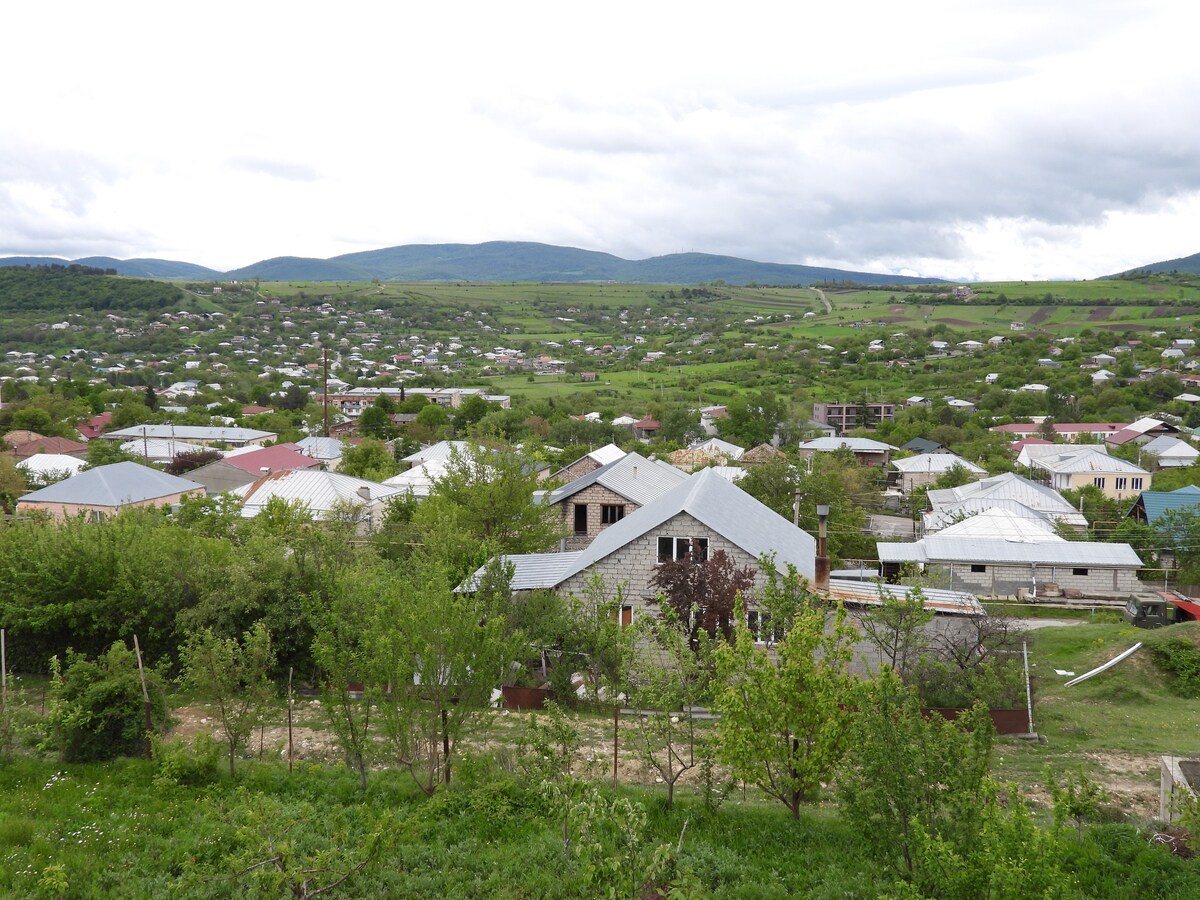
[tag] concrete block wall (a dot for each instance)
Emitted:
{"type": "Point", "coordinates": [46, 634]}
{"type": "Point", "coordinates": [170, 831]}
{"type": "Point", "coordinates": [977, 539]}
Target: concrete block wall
{"type": "Point", "coordinates": [1005, 581]}
{"type": "Point", "coordinates": [595, 496]}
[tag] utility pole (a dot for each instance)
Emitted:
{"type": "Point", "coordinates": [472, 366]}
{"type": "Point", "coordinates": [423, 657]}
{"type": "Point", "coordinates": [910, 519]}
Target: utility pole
{"type": "Point", "coordinates": [325, 392]}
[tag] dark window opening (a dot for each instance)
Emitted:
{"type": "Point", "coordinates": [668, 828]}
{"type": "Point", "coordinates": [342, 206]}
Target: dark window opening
{"type": "Point", "coordinates": [611, 513]}
{"type": "Point", "coordinates": [978, 568]}
{"type": "Point", "coordinates": [581, 518]}
{"type": "Point", "coordinates": [1079, 571]}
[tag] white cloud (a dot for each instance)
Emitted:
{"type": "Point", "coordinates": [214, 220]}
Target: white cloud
{"type": "Point", "coordinates": [1013, 140]}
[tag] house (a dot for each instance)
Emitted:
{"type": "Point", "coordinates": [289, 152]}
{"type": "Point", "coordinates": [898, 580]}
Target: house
{"type": "Point", "coordinates": [95, 426]}
{"type": "Point", "coordinates": [325, 450]}
{"type": "Point", "coordinates": [325, 495]}
{"type": "Point", "coordinates": [241, 468]}
{"type": "Point", "coordinates": [997, 567]}
{"type": "Point", "coordinates": [589, 462]}
{"type": "Point", "coordinates": [1141, 431]}
{"type": "Point", "coordinates": [105, 490]}
{"type": "Point", "coordinates": [1078, 468]}
{"type": "Point", "coordinates": [646, 428]}
{"type": "Point", "coordinates": [1170, 453]}
{"type": "Point", "coordinates": [605, 496]}
{"type": "Point", "coordinates": [706, 453]}
{"type": "Point", "coordinates": [43, 467]}
{"type": "Point", "coordinates": [1011, 492]}
{"type": "Point", "coordinates": [702, 514]}
{"type": "Point", "coordinates": [923, 470]}
{"type": "Point", "coordinates": [846, 416]}
{"type": "Point", "coordinates": [867, 451]}
{"type": "Point", "coordinates": [760, 454]}
{"type": "Point", "coordinates": [204, 435]}
{"type": "Point", "coordinates": [1150, 506]}
{"type": "Point", "coordinates": [58, 445]}
{"type": "Point", "coordinates": [922, 445]}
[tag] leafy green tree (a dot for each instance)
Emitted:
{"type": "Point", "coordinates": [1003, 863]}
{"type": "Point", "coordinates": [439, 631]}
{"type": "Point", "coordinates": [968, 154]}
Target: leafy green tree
{"type": "Point", "coordinates": [1076, 798]}
{"type": "Point", "coordinates": [12, 484]}
{"type": "Point", "coordinates": [234, 677]}
{"type": "Point", "coordinates": [489, 494]}
{"type": "Point", "coordinates": [905, 769]}
{"type": "Point", "coordinates": [471, 410]}
{"type": "Point", "coordinates": [752, 420]}
{"type": "Point", "coordinates": [896, 628]}
{"type": "Point", "coordinates": [373, 422]}
{"type": "Point", "coordinates": [433, 417]}
{"type": "Point", "coordinates": [103, 453]}
{"type": "Point", "coordinates": [785, 720]}
{"type": "Point", "coordinates": [371, 460]}
{"type": "Point", "coordinates": [679, 425]}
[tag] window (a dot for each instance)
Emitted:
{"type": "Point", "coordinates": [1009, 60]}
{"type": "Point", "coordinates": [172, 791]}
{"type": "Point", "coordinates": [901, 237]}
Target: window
{"type": "Point", "coordinates": [759, 624]}
{"type": "Point", "coordinates": [1137, 484]}
{"type": "Point", "coordinates": [1079, 571]}
{"type": "Point", "coordinates": [1098, 481]}
{"type": "Point", "coordinates": [976, 567]}
{"type": "Point", "coordinates": [623, 616]}
{"type": "Point", "coordinates": [673, 548]}
{"type": "Point", "coordinates": [611, 513]}
{"type": "Point", "coordinates": [581, 518]}
{"type": "Point", "coordinates": [1122, 484]}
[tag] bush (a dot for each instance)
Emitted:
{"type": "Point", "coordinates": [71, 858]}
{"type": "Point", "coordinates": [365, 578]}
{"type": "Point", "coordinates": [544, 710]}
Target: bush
{"type": "Point", "coordinates": [177, 762]}
{"type": "Point", "coordinates": [1176, 653]}
{"type": "Point", "coordinates": [96, 708]}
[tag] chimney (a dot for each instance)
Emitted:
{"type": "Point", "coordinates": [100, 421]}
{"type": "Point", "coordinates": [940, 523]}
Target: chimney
{"type": "Point", "coordinates": [365, 493]}
{"type": "Point", "coordinates": [635, 471]}
{"type": "Point", "coordinates": [822, 560]}
{"type": "Point", "coordinates": [264, 470]}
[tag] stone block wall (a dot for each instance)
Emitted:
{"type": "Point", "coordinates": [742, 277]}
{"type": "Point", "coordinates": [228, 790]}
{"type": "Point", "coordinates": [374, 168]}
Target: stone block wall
{"type": "Point", "coordinates": [595, 496]}
{"type": "Point", "coordinates": [1006, 580]}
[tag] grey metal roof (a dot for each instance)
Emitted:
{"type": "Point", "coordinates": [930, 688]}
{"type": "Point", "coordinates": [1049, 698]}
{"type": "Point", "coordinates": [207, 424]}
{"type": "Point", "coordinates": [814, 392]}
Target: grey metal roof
{"type": "Point", "coordinates": [531, 570]}
{"type": "Point", "coordinates": [935, 462]}
{"type": "Point", "coordinates": [439, 452]}
{"type": "Point", "coordinates": [1086, 461]}
{"type": "Point", "coordinates": [857, 444]}
{"type": "Point", "coordinates": [321, 447]}
{"type": "Point", "coordinates": [320, 492]}
{"type": "Point", "coordinates": [637, 479]}
{"type": "Point", "coordinates": [189, 433]}
{"type": "Point", "coordinates": [1009, 491]}
{"type": "Point", "coordinates": [723, 507]}
{"type": "Point", "coordinates": [113, 485]}
{"type": "Point", "coordinates": [938, 549]}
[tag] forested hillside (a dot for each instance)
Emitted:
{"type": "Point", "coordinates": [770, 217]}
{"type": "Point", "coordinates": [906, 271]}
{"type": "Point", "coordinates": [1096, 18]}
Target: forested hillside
{"type": "Point", "coordinates": [65, 288]}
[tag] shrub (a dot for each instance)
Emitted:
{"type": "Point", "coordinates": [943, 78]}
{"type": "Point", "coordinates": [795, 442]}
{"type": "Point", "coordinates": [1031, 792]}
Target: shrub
{"type": "Point", "coordinates": [1176, 654]}
{"type": "Point", "coordinates": [177, 762]}
{"type": "Point", "coordinates": [96, 708]}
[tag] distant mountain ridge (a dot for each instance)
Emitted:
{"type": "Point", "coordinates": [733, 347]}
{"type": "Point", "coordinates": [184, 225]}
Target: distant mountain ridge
{"type": "Point", "coordinates": [1190, 264]}
{"type": "Point", "coordinates": [492, 261]}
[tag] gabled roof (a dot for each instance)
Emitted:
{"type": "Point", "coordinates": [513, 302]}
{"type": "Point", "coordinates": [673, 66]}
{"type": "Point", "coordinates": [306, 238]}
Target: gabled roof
{"type": "Point", "coordinates": [280, 456]}
{"type": "Point", "coordinates": [62, 445]}
{"type": "Point", "coordinates": [1010, 491]}
{"type": "Point", "coordinates": [726, 509]}
{"type": "Point", "coordinates": [439, 452]}
{"type": "Point", "coordinates": [998, 522]}
{"type": "Point", "coordinates": [1156, 504]}
{"type": "Point", "coordinates": [717, 447]}
{"type": "Point", "coordinates": [190, 433]}
{"type": "Point", "coordinates": [112, 486]}
{"type": "Point", "coordinates": [52, 464]}
{"type": "Point", "coordinates": [606, 454]}
{"type": "Point", "coordinates": [856, 444]}
{"type": "Point", "coordinates": [632, 476]}
{"type": "Point", "coordinates": [922, 445]}
{"type": "Point", "coordinates": [1165, 446]}
{"type": "Point", "coordinates": [322, 448]}
{"type": "Point", "coordinates": [320, 492]}
{"type": "Point", "coordinates": [936, 463]}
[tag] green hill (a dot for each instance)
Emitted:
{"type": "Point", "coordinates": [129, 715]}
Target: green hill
{"type": "Point", "coordinates": [57, 288]}
{"type": "Point", "coordinates": [1189, 264]}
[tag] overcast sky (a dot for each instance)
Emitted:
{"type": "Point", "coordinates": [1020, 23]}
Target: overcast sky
{"type": "Point", "coordinates": [969, 140]}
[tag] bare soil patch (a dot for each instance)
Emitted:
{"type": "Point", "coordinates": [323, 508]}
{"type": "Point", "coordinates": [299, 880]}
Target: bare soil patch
{"type": "Point", "coordinates": [1100, 313]}
{"type": "Point", "coordinates": [1166, 312]}
{"type": "Point", "coordinates": [961, 323]}
{"type": "Point", "coordinates": [1122, 326]}
{"type": "Point", "coordinates": [1042, 314]}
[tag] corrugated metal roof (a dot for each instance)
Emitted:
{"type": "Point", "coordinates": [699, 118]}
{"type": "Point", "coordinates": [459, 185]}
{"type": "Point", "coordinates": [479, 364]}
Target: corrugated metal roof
{"type": "Point", "coordinates": [717, 447]}
{"type": "Point", "coordinates": [857, 444]}
{"type": "Point", "coordinates": [51, 464]}
{"type": "Point", "coordinates": [935, 463]}
{"type": "Point", "coordinates": [1008, 491]}
{"type": "Point", "coordinates": [938, 549]}
{"type": "Point", "coordinates": [439, 452]}
{"type": "Point", "coordinates": [606, 454]}
{"type": "Point", "coordinates": [190, 433]}
{"type": "Point", "coordinates": [160, 449]}
{"type": "Point", "coordinates": [281, 456]}
{"type": "Point", "coordinates": [1002, 524]}
{"type": "Point", "coordinates": [113, 485]}
{"type": "Point", "coordinates": [1158, 503]}
{"type": "Point", "coordinates": [1171, 448]}
{"type": "Point", "coordinates": [723, 507]}
{"type": "Point", "coordinates": [531, 570]}
{"type": "Point", "coordinates": [1089, 460]}
{"type": "Point", "coordinates": [319, 492]}
{"type": "Point", "coordinates": [637, 479]}
{"type": "Point", "coordinates": [867, 593]}
{"type": "Point", "coordinates": [323, 448]}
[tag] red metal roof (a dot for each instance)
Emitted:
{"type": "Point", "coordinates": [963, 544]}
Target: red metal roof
{"type": "Point", "coordinates": [277, 458]}
{"type": "Point", "coordinates": [1187, 606]}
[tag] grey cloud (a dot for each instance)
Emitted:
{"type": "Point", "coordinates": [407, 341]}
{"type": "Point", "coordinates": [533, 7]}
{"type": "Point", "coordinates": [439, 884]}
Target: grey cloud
{"type": "Point", "coordinates": [275, 168]}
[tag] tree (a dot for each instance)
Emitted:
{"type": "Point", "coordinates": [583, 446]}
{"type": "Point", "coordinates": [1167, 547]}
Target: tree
{"type": "Point", "coordinates": [471, 410]}
{"type": "Point", "coordinates": [666, 682]}
{"type": "Point", "coordinates": [785, 720]}
{"type": "Point", "coordinates": [489, 494]}
{"type": "Point", "coordinates": [433, 417]}
{"type": "Point", "coordinates": [752, 421]}
{"type": "Point", "coordinates": [370, 460]}
{"type": "Point", "coordinates": [185, 462]}
{"type": "Point", "coordinates": [904, 769]}
{"type": "Point", "coordinates": [702, 592]}
{"type": "Point", "coordinates": [151, 398]}
{"type": "Point", "coordinates": [679, 425]}
{"type": "Point", "coordinates": [12, 483]}
{"type": "Point", "coordinates": [234, 676]}
{"type": "Point", "coordinates": [896, 626]}
{"type": "Point", "coordinates": [436, 656]}
{"type": "Point", "coordinates": [373, 422]}
{"type": "Point", "coordinates": [103, 453]}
